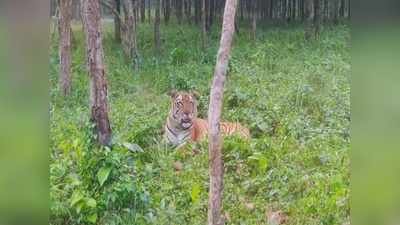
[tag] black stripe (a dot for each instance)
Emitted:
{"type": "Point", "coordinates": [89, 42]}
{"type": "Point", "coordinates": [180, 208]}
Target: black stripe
{"type": "Point", "coordinates": [186, 136]}
{"type": "Point", "coordinates": [171, 131]}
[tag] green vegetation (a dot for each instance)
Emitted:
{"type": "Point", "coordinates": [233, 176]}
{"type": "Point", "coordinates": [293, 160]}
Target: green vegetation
{"type": "Point", "coordinates": [293, 95]}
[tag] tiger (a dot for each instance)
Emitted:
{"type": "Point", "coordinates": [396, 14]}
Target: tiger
{"type": "Point", "coordinates": [183, 124]}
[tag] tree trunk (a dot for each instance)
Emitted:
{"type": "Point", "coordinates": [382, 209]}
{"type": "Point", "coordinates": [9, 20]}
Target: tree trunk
{"type": "Point", "coordinates": [317, 17]}
{"type": "Point", "coordinates": [167, 11]}
{"type": "Point", "coordinates": [207, 15]}
{"type": "Point", "coordinates": [254, 22]}
{"type": "Point", "coordinates": [149, 11]}
{"type": "Point", "coordinates": [98, 85]}
{"type": "Point", "coordinates": [197, 10]}
{"type": "Point", "coordinates": [204, 25]}
{"type": "Point", "coordinates": [117, 22]}
{"type": "Point", "coordinates": [188, 10]}
{"type": "Point", "coordinates": [128, 31]}
{"type": "Point", "coordinates": [216, 169]}
{"type": "Point", "coordinates": [157, 28]}
{"type": "Point", "coordinates": [211, 13]}
{"type": "Point", "coordinates": [309, 19]}
{"type": "Point", "coordinates": [142, 11]}
{"type": "Point", "coordinates": [179, 10]}
{"type": "Point", "coordinates": [335, 12]}
{"type": "Point", "coordinates": [64, 29]}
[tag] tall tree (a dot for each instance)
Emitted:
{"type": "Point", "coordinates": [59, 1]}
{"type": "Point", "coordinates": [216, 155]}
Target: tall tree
{"type": "Point", "coordinates": [335, 12]}
{"type": "Point", "coordinates": [128, 29]}
{"type": "Point", "coordinates": [98, 85]}
{"type": "Point", "coordinates": [117, 21]}
{"type": "Point", "coordinates": [157, 28]}
{"type": "Point", "coordinates": [143, 10]}
{"type": "Point", "coordinates": [309, 19]}
{"type": "Point", "coordinates": [317, 17]}
{"type": "Point", "coordinates": [204, 25]}
{"type": "Point", "coordinates": [254, 20]}
{"type": "Point", "coordinates": [149, 10]}
{"type": "Point", "coordinates": [188, 10]}
{"type": "Point", "coordinates": [216, 169]}
{"type": "Point", "coordinates": [167, 10]}
{"type": "Point", "coordinates": [179, 10]}
{"type": "Point", "coordinates": [197, 11]}
{"type": "Point", "coordinates": [64, 28]}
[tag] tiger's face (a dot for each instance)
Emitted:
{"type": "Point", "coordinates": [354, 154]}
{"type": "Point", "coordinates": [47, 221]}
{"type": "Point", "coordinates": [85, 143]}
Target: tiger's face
{"type": "Point", "coordinates": [183, 108]}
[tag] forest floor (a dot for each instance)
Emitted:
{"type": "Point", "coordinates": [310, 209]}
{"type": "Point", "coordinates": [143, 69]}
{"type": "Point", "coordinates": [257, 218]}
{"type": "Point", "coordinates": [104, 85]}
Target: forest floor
{"type": "Point", "coordinates": [293, 95]}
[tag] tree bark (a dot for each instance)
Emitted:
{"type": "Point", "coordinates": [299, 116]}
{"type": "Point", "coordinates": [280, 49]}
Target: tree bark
{"type": "Point", "coordinates": [117, 21]}
{"type": "Point", "coordinates": [179, 10]}
{"type": "Point", "coordinates": [309, 19]}
{"type": "Point", "coordinates": [142, 11]}
{"type": "Point", "coordinates": [149, 11]}
{"type": "Point", "coordinates": [197, 10]}
{"type": "Point", "coordinates": [188, 10]}
{"type": "Point", "coordinates": [254, 22]}
{"type": "Point", "coordinates": [317, 17]}
{"type": "Point", "coordinates": [167, 11]}
{"type": "Point", "coordinates": [204, 25]}
{"type": "Point", "coordinates": [128, 30]}
{"type": "Point", "coordinates": [335, 12]}
{"type": "Point", "coordinates": [64, 29]}
{"type": "Point", "coordinates": [98, 84]}
{"type": "Point", "coordinates": [214, 113]}
{"type": "Point", "coordinates": [157, 28]}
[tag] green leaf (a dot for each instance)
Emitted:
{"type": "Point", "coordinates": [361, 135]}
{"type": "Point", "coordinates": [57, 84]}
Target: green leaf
{"type": "Point", "coordinates": [133, 147]}
{"type": "Point", "coordinates": [92, 218]}
{"type": "Point", "coordinates": [76, 197]}
{"type": "Point", "coordinates": [262, 163]}
{"type": "Point", "coordinates": [91, 203]}
{"type": "Point", "coordinates": [79, 207]}
{"type": "Point", "coordinates": [102, 175]}
{"type": "Point", "coordinates": [194, 194]}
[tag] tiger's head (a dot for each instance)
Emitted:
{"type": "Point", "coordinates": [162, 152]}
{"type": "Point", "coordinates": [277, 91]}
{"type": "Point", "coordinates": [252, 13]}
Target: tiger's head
{"type": "Point", "coordinates": [183, 108]}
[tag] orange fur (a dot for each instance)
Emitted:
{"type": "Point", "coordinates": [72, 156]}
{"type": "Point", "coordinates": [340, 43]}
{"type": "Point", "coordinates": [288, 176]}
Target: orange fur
{"type": "Point", "coordinates": [200, 129]}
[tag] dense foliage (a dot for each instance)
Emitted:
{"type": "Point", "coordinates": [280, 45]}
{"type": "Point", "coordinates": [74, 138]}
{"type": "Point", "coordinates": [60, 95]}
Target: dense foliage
{"type": "Point", "coordinates": [293, 95]}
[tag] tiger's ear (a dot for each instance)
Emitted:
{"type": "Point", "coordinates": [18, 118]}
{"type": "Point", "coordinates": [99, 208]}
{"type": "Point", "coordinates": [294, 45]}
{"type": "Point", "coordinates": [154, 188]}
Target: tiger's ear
{"type": "Point", "coordinates": [195, 94]}
{"type": "Point", "coordinates": [172, 93]}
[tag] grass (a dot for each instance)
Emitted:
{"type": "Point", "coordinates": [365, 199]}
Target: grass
{"type": "Point", "coordinates": [293, 95]}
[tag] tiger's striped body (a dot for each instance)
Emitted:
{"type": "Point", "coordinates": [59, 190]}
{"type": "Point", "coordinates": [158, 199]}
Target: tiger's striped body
{"type": "Point", "coordinates": [183, 125]}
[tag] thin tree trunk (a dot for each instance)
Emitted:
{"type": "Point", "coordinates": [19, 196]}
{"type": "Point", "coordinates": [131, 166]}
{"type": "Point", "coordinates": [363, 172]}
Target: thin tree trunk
{"type": "Point", "coordinates": [142, 11]}
{"type": "Point", "coordinates": [64, 29]}
{"type": "Point", "coordinates": [207, 14]}
{"type": "Point", "coordinates": [128, 30]}
{"type": "Point", "coordinates": [254, 21]}
{"type": "Point", "coordinates": [211, 13]}
{"type": "Point", "coordinates": [149, 11]}
{"type": "Point", "coordinates": [179, 10]}
{"type": "Point", "coordinates": [117, 21]}
{"type": "Point", "coordinates": [204, 24]}
{"type": "Point", "coordinates": [335, 12]}
{"type": "Point", "coordinates": [309, 19]}
{"type": "Point", "coordinates": [317, 17]}
{"type": "Point", "coordinates": [98, 85]}
{"type": "Point", "coordinates": [216, 169]}
{"type": "Point", "coordinates": [197, 10]}
{"type": "Point", "coordinates": [157, 28]}
{"type": "Point", "coordinates": [188, 10]}
{"type": "Point", "coordinates": [167, 11]}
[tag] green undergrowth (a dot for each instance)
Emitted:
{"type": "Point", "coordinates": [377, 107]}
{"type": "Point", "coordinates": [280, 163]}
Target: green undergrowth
{"type": "Point", "coordinates": [293, 95]}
